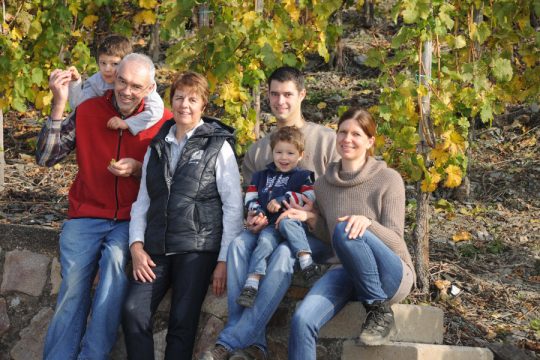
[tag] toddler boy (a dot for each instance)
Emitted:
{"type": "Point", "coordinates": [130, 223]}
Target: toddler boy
{"type": "Point", "coordinates": [110, 53]}
{"type": "Point", "coordinates": [282, 181]}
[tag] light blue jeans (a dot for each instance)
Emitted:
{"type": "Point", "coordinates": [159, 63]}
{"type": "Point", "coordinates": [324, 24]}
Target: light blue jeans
{"type": "Point", "coordinates": [247, 326]}
{"type": "Point", "coordinates": [370, 272]}
{"type": "Point", "coordinates": [293, 231]}
{"type": "Point", "coordinates": [87, 244]}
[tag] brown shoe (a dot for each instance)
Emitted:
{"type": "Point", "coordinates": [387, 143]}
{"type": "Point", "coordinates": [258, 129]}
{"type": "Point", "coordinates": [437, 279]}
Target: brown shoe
{"type": "Point", "coordinates": [249, 353]}
{"type": "Point", "coordinates": [219, 352]}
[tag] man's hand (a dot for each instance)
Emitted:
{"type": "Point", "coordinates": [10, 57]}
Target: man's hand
{"type": "Point", "coordinates": [219, 278]}
{"type": "Point", "coordinates": [125, 167]}
{"type": "Point", "coordinates": [116, 123]}
{"type": "Point", "coordinates": [74, 73]}
{"type": "Point", "coordinates": [142, 263]}
{"type": "Point", "coordinates": [59, 85]}
{"type": "Point", "coordinates": [273, 206]}
{"type": "Point", "coordinates": [256, 222]}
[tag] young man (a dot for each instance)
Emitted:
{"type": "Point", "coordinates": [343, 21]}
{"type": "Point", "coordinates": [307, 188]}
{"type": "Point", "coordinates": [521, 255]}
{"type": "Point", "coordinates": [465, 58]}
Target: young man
{"type": "Point", "coordinates": [100, 198]}
{"type": "Point", "coordinates": [244, 336]}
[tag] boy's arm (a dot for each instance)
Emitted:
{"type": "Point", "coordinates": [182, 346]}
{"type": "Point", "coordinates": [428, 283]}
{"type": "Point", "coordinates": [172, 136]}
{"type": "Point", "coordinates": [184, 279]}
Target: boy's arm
{"type": "Point", "coordinates": [152, 113]}
{"type": "Point", "coordinates": [75, 90]}
{"type": "Point", "coordinates": [306, 189]}
{"type": "Point", "coordinates": [251, 201]}
{"type": "Point", "coordinates": [93, 87]}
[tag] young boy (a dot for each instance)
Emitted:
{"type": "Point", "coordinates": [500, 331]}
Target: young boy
{"type": "Point", "coordinates": [110, 53]}
{"type": "Point", "coordinates": [282, 181]}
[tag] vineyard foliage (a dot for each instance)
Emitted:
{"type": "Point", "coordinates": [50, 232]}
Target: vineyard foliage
{"type": "Point", "coordinates": [479, 66]}
{"type": "Point", "coordinates": [485, 56]}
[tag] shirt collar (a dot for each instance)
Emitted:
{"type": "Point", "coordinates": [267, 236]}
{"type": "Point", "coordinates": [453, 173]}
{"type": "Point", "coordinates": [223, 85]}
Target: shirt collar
{"type": "Point", "coordinates": [171, 136]}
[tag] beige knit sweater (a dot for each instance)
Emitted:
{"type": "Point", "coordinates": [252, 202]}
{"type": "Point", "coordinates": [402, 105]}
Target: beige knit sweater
{"type": "Point", "coordinates": [319, 151]}
{"type": "Point", "coordinates": [376, 192]}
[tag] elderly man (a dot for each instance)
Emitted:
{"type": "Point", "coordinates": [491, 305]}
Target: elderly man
{"type": "Point", "coordinates": [96, 234]}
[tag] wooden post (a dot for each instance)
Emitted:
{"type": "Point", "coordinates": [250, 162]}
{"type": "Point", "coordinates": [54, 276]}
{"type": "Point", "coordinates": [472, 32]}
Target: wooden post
{"type": "Point", "coordinates": [204, 18]}
{"type": "Point", "coordinates": [421, 231]}
{"type": "Point", "coordinates": [256, 91]}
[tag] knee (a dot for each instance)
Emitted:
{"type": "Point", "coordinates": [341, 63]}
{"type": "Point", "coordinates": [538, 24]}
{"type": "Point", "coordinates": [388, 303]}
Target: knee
{"type": "Point", "coordinates": [302, 322]}
{"type": "Point", "coordinates": [340, 238]}
{"type": "Point", "coordinates": [288, 223]}
{"type": "Point", "coordinates": [282, 259]}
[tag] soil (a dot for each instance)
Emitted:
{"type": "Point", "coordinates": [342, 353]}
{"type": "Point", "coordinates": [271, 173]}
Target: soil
{"type": "Point", "coordinates": [484, 248]}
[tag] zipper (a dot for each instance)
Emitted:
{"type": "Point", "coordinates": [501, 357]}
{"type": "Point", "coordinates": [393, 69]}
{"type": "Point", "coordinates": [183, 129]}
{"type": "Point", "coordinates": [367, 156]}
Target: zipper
{"type": "Point", "coordinates": [116, 177]}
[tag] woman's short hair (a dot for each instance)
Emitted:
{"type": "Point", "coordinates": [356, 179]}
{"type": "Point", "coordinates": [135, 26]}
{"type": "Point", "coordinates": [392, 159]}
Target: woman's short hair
{"type": "Point", "coordinates": [364, 120]}
{"type": "Point", "coordinates": [288, 134]}
{"type": "Point", "coordinates": [192, 81]}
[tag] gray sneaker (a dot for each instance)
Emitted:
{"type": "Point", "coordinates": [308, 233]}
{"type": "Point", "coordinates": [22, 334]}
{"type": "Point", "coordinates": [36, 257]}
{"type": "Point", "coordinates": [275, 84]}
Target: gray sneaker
{"type": "Point", "coordinates": [379, 325]}
{"type": "Point", "coordinates": [219, 352]}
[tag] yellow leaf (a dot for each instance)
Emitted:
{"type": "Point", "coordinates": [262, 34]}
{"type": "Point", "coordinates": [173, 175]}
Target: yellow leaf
{"type": "Point", "coordinates": [429, 184]}
{"type": "Point", "coordinates": [16, 34]}
{"type": "Point", "coordinates": [249, 19]}
{"type": "Point", "coordinates": [147, 4]}
{"type": "Point", "coordinates": [439, 156]}
{"type": "Point", "coordinates": [321, 105]}
{"type": "Point", "coordinates": [145, 17]}
{"type": "Point", "coordinates": [43, 99]}
{"type": "Point", "coordinates": [454, 176]}
{"type": "Point", "coordinates": [89, 21]}
{"type": "Point", "coordinates": [57, 166]}
{"type": "Point", "coordinates": [74, 8]}
{"type": "Point", "coordinates": [461, 236]}
{"type": "Point", "coordinates": [292, 9]}
{"type": "Point", "coordinates": [454, 143]}
{"type": "Point", "coordinates": [76, 33]}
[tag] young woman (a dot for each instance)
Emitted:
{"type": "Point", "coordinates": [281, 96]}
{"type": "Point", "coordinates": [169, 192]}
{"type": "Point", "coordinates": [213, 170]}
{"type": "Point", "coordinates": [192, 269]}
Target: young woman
{"type": "Point", "coordinates": [361, 203]}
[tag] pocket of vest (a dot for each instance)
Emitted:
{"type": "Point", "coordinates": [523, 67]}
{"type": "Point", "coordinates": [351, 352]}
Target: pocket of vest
{"type": "Point", "coordinates": [196, 218]}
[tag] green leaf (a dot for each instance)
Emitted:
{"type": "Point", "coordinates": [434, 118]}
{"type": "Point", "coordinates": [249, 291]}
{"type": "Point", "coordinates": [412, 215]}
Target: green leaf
{"type": "Point", "coordinates": [502, 69]}
{"type": "Point", "coordinates": [486, 114]}
{"type": "Point", "coordinates": [410, 15]}
{"type": "Point", "coordinates": [37, 76]}
{"type": "Point", "coordinates": [483, 32]}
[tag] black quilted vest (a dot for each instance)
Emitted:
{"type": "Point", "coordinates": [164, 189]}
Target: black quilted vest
{"type": "Point", "coordinates": [185, 213]}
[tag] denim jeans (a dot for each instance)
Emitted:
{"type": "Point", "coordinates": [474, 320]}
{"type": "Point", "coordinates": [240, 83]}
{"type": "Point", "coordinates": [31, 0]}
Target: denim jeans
{"type": "Point", "coordinates": [370, 272]}
{"type": "Point", "coordinates": [293, 231]}
{"type": "Point", "coordinates": [247, 326]}
{"type": "Point", "coordinates": [87, 244]}
{"type": "Point", "coordinates": [188, 275]}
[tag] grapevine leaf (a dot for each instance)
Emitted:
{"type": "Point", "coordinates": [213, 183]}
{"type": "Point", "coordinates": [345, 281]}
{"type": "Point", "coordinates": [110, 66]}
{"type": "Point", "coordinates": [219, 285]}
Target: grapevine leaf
{"type": "Point", "coordinates": [502, 69]}
{"type": "Point", "coordinates": [145, 17]}
{"type": "Point", "coordinates": [89, 21]}
{"type": "Point", "coordinates": [147, 4]}
{"type": "Point", "coordinates": [453, 176]}
{"type": "Point", "coordinates": [37, 76]}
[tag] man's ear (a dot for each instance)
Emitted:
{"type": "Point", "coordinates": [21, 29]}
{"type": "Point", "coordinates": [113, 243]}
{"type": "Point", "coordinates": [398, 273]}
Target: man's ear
{"type": "Point", "coordinates": [302, 94]}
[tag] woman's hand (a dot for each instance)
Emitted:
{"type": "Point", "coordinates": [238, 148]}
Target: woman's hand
{"type": "Point", "coordinates": [142, 263]}
{"type": "Point", "coordinates": [255, 223]}
{"type": "Point", "coordinates": [356, 225]}
{"type": "Point", "coordinates": [219, 278]}
{"type": "Point", "coordinates": [296, 214]}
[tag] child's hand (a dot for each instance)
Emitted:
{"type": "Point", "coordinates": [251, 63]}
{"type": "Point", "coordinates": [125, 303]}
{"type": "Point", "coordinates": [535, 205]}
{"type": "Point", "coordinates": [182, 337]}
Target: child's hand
{"type": "Point", "coordinates": [115, 123]}
{"type": "Point", "coordinates": [74, 73]}
{"type": "Point", "coordinates": [273, 206]}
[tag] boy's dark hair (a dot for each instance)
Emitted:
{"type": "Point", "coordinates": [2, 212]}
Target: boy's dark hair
{"type": "Point", "coordinates": [288, 134]}
{"type": "Point", "coordinates": [115, 45]}
{"type": "Point", "coordinates": [287, 73]}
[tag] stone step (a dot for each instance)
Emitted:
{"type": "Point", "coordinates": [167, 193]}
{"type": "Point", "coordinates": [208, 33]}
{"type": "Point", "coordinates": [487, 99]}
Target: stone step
{"type": "Point", "coordinates": [412, 351]}
{"type": "Point", "coordinates": [414, 323]}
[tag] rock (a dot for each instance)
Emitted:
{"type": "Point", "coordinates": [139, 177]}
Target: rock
{"type": "Point", "coordinates": [160, 342]}
{"type": "Point", "coordinates": [30, 346]}
{"type": "Point", "coordinates": [15, 302]}
{"type": "Point", "coordinates": [24, 271]}
{"type": "Point", "coordinates": [209, 334]}
{"type": "Point", "coordinates": [360, 59]}
{"type": "Point", "coordinates": [4, 318]}
{"type": "Point", "coordinates": [214, 305]}
{"type": "Point", "coordinates": [56, 277]}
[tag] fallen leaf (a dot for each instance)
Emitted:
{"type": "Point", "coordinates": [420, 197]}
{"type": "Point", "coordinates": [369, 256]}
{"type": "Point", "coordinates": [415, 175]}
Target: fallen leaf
{"type": "Point", "coordinates": [461, 236]}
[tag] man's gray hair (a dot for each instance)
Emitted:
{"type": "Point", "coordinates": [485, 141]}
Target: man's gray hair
{"type": "Point", "coordinates": [143, 60]}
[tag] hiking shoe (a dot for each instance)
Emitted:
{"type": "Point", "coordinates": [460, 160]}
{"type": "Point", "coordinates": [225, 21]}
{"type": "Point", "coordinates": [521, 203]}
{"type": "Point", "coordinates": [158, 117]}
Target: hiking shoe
{"type": "Point", "coordinates": [219, 352]}
{"type": "Point", "coordinates": [311, 273]}
{"type": "Point", "coordinates": [247, 297]}
{"type": "Point", "coordinates": [249, 353]}
{"type": "Point", "coordinates": [379, 325]}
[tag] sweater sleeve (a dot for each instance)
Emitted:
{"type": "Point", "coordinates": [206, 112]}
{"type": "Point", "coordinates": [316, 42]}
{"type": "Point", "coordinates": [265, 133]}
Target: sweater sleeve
{"type": "Point", "coordinates": [251, 201]}
{"type": "Point", "coordinates": [152, 113]}
{"type": "Point", "coordinates": [390, 226]}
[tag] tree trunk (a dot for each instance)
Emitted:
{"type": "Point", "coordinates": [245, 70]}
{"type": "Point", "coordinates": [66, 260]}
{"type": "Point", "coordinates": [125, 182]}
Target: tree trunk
{"type": "Point", "coordinates": [2, 152]}
{"type": "Point", "coordinates": [256, 91]}
{"type": "Point", "coordinates": [421, 231]}
{"type": "Point", "coordinates": [337, 62]}
{"type": "Point", "coordinates": [155, 47]}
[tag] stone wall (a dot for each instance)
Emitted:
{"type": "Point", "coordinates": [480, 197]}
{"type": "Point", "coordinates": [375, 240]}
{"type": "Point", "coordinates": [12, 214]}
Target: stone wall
{"type": "Point", "coordinates": [30, 280]}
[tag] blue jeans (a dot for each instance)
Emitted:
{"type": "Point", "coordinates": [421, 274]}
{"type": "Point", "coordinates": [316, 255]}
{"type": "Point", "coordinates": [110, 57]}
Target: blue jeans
{"type": "Point", "coordinates": [370, 272]}
{"type": "Point", "coordinates": [87, 244]}
{"type": "Point", "coordinates": [247, 326]}
{"type": "Point", "coordinates": [269, 238]}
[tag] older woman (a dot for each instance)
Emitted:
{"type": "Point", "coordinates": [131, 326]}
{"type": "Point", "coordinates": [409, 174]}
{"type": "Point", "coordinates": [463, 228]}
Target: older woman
{"type": "Point", "coordinates": [188, 209]}
{"type": "Point", "coordinates": [362, 203]}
